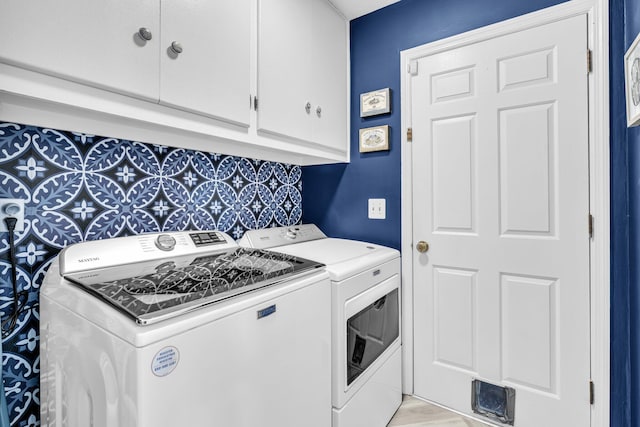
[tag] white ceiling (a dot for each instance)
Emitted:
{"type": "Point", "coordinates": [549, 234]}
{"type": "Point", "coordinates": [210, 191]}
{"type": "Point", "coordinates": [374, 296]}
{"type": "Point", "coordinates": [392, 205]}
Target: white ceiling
{"type": "Point", "coordinates": [355, 8]}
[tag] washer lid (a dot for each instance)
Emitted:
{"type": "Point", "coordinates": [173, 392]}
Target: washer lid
{"type": "Point", "coordinates": [156, 290]}
{"type": "Point", "coordinates": [342, 257]}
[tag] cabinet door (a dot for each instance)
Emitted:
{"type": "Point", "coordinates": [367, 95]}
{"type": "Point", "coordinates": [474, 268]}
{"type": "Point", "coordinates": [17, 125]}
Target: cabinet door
{"type": "Point", "coordinates": [211, 75]}
{"type": "Point", "coordinates": [90, 41]}
{"type": "Point", "coordinates": [284, 67]}
{"type": "Point", "coordinates": [329, 124]}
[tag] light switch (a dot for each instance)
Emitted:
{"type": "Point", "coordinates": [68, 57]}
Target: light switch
{"type": "Point", "coordinates": [377, 208]}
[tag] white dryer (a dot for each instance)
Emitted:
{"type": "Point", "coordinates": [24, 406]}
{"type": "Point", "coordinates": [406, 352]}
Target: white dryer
{"type": "Point", "coordinates": [184, 329]}
{"type": "Point", "coordinates": [365, 295]}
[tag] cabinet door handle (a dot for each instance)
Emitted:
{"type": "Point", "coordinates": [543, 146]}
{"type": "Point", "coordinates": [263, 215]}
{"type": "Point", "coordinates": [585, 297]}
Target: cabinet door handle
{"type": "Point", "coordinates": [145, 34]}
{"type": "Point", "coordinates": [319, 111]}
{"type": "Point", "coordinates": [176, 48]}
{"type": "Point", "coordinates": [307, 107]}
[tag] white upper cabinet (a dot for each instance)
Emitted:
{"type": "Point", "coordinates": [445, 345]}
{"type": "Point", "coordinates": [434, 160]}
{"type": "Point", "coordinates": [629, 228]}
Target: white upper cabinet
{"type": "Point", "coordinates": [90, 41]}
{"type": "Point", "coordinates": [329, 124]}
{"type": "Point", "coordinates": [196, 57]}
{"type": "Point", "coordinates": [205, 57]}
{"type": "Point", "coordinates": [302, 71]}
{"type": "Point", "coordinates": [284, 67]}
{"type": "Point", "coordinates": [182, 73]}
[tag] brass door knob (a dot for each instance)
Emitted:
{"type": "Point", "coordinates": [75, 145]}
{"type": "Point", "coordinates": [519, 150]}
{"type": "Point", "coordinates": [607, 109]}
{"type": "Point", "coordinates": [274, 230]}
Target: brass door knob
{"type": "Point", "coordinates": [422, 246]}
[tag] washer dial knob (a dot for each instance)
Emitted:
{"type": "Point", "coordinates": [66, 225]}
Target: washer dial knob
{"type": "Point", "coordinates": [291, 234]}
{"type": "Point", "coordinates": [165, 242]}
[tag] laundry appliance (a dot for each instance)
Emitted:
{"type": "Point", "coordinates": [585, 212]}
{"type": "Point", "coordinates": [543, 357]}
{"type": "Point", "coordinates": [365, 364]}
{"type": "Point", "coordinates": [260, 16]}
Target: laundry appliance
{"type": "Point", "coordinates": [184, 329]}
{"type": "Point", "coordinates": [365, 294]}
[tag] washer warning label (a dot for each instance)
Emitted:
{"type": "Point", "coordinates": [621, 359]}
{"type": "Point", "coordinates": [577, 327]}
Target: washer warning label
{"type": "Point", "coordinates": [165, 361]}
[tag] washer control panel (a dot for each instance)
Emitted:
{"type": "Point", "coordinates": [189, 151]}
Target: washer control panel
{"type": "Point", "coordinates": [280, 236]}
{"type": "Point", "coordinates": [140, 248]}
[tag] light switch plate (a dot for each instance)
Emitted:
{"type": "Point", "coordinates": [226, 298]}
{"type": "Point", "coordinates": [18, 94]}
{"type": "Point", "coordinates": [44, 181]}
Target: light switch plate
{"type": "Point", "coordinates": [9, 205]}
{"type": "Point", "coordinates": [377, 209]}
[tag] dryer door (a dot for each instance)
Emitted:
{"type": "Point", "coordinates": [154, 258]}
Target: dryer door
{"type": "Point", "coordinates": [370, 332]}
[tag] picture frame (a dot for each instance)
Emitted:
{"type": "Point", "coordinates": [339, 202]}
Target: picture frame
{"type": "Point", "coordinates": [375, 102]}
{"type": "Point", "coordinates": [632, 82]}
{"type": "Point", "coordinates": [374, 139]}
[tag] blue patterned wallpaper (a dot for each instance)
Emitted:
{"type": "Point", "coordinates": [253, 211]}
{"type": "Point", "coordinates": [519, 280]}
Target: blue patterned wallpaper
{"type": "Point", "coordinates": [85, 187]}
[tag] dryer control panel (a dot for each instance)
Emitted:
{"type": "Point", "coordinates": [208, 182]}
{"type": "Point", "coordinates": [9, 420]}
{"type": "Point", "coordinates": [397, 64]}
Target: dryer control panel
{"type": "Point", "coordinates": [280, 236]}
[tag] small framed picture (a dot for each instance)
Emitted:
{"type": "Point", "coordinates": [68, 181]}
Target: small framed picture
{"type": "Point", "coordinates": [376, 102]}
{"type": "Point", "coordinates": [632, 82]}
{"type": "Point", "coordinates": [374, 139]}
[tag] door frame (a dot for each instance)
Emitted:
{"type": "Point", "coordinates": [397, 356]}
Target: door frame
{"type": "Point", "coordinates": [597, 12]}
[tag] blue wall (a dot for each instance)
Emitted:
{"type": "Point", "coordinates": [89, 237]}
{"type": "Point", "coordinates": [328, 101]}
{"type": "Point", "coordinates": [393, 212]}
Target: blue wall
{"type": "Point", "coordinates": [621, 300]}
{"type": "Point", "coordinates": [632, 143]}
{"type": "Point", "coordinates": [86, 187]}
{"type": "Point", "coordinates": [335, 197]}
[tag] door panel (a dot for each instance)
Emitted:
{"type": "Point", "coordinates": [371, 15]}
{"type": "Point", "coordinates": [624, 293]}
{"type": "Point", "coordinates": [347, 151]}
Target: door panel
{"type": "Point", "coordinates": [211, 75]}
{"type": "Point", "coordinates": [527, 185]}
{"type": "Point", "coordinates": [284, 64]}
{"type": "Point", "coordinates": [500, 179]}
{"type": "Point", "coordinates": [526, 69]}
{"type": "Point", "coordinates": [329, 71]}
{"type": "Point", "coordinates": [454, 177]}
{"type": "Point", "coordinates": [528, 350]}
{"type": "Point", "coordinates": [50, 36]}
{"type": "Point", "coordinates": [455, 314]}
{"type": "Point", "coordinates": [455, 84]}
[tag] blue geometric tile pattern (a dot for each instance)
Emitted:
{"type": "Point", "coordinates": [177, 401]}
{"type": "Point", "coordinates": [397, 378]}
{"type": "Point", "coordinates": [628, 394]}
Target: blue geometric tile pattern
{"type": "Point", "coordinates": [84, 187]}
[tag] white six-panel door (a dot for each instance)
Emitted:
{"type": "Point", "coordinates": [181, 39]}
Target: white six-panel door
{"type": "Point", "coordinates": [500, 193]}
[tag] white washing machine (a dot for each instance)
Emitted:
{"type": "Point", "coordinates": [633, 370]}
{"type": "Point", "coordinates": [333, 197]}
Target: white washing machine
{"type": "Point", "coordinates": [365, 321]}
{"type": "Point", "coordinates": [184, 329]}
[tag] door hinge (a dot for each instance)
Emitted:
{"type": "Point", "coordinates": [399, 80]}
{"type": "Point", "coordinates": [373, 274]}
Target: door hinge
{"type": "Point", "coordinates": [255, 103]}
{"type": "Point", "coordinates": [589, 61]}
{"type": "Point", "coordinates": [591, 393]}
{"type": "Point", "coordinates": [590, 226]}
{"type": "Point", "coordinates": [409, 134]}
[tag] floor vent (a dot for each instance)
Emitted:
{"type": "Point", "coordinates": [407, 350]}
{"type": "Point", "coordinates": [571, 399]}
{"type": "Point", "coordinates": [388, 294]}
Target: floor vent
{"type": "Point", "coordinates": [492, 401]}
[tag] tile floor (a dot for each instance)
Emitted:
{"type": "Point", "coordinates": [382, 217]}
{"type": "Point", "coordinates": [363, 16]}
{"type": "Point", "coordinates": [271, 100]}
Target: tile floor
{"type": "Point", "coordinates": [416, 413]}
